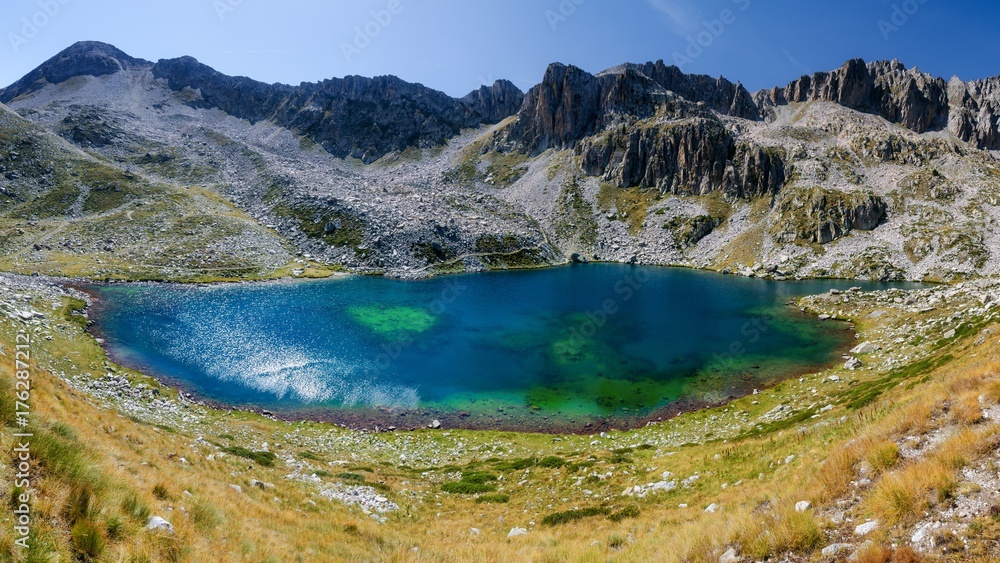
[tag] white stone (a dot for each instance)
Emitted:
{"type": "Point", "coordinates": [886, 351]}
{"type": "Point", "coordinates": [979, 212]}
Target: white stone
{"type": "Point", "coordinates": [864, 348]}
{"type": "Point", "coordinates": [474, 531]}
{"type": "Point", "coordinates": [434, 424]}
{"type": "Point", "coordinates": [236, 488]}
{"type": "Point", "coordinates": [713, 508]}
{"type": "Point", "coordinates": [836, 549]}
{"type": "Point", "coordinates": [158, 524]}
{"type": "Point", "coordinates": [729, 556]}
{"type": "Point", "coordinates": [514, 532]}
{"type": "Point", "coordinates": [852, 364]}
{"type": "Point", "coordinates": [802, 506]}
{"type": "Point", "coordinates": [866, 528]}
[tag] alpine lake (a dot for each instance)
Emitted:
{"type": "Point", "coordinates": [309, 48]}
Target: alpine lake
{"type": "Point", "coordinates": [568, 349]}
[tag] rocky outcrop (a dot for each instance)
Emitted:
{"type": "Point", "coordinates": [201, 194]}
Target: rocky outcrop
{"type": "Point", "coordinates": [86, 58]}
{"type": "Point", "coordinates": [975, 111]}
{"type": "Point", "coordinates": [571, 104]}
{"type": "Point", "coordinates": [821, 215]}
{"type": "Point", "coordinates": [719, 94]}
{"type": "Point", "coordinates": [692, 157]}
{"type": "Point", "coordinates": [909, 97]}
{"type": "Point", "coordinates": [493, 104]}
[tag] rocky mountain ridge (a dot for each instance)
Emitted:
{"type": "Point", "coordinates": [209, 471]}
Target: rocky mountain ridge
{"type": "Point", "coordinates": [872, 170]}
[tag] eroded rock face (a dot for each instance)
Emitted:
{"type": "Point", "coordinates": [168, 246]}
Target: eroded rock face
{"type": "Point", "coordinates": [913, 99]}
{"type": "Point", "coordinates": [820, 215]}
{"type": "Point", "coordinates": [692, 157]}
{"type": "Point", "coordinates": [571, 104]}
{"type": "Point", "coordinates": [909, 97]}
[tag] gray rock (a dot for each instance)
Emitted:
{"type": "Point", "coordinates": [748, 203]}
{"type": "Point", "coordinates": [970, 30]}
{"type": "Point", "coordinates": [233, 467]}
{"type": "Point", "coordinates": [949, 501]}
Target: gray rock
{"type": "Point", "coordinates": [158, 524]}
{"type": "Point", "coordinates": [835, 549]}
{"type": "Point", "coordinates": [514, 532]}
{"type": "Point", "coordinates": [866, 528]}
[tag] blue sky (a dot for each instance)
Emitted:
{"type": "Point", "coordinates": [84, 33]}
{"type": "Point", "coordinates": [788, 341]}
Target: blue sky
{"type": "Point", "coordinates": [456, 45]}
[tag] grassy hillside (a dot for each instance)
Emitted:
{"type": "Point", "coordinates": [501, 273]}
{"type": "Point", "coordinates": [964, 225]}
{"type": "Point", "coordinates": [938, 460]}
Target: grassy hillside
{"type": "Point", "coordinates": [64, 211]}
{"type": "Point", "coordinates": [904, 440]}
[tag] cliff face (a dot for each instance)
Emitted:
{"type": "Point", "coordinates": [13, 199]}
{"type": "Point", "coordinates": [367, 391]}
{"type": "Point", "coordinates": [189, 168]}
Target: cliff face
{"type": "Point", "coordinates": [693, 157]}
{"type": "Point", "coordinates": [915, 100]}
{"type": "Point", "coordinates": [647, 126]}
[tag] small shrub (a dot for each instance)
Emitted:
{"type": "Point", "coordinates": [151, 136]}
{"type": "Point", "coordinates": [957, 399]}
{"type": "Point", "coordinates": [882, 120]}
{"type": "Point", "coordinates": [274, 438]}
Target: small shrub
{"type": "Point", "coordinates": [87, 541]}
{"type": "Point", "coordinates": [265, 459]}
{"type": "Point", "coordinates": [206, 517]}
{"type": "Point", "coordinates": [79, 504]}
{"type": "Point", "coordinates": [895, 499]}
{"type": "Point", "coordinates": [478, 477]}
{"type": "Point", "coordinates": [310, 456]}
{"type": "Point", "coordinates": [551, 462]}
{"type": "Point", "coordinates": [619, 458]}
{"type": "Point", "coordinates": [497, 498]}
{"type": "Point", "coordinates": [966, 411]}
{"type": "Point", "coordinates": [627, 512]}
{"type": "Point", "coordinates": [322, 473]}
{"type": "Point", "coordinates": [645, 447]}
{"type": "Point", "coordinates": [115, 528]}
{"type": "Point", "coordinates": [566, 516]}
{"type": "Point", "coordinates": [622, 451]}
{"type": "Point", "coordinates": [517, 464]}
{"type": "Point", "coordinates": [466, 488]}
{"type": "Point", "coordinates": [616, 542]}
{"type": "Point", "coordinates": [883, 456]}
{"type": "Point", "coordinates": [347, 476]}
{"type": "Point", "coordinates": [136, 508]}
{"type": "Point", "coordinates": [160, 491]}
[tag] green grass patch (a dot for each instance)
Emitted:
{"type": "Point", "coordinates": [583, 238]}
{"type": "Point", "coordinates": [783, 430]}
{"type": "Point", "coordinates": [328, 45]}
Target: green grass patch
{"type": "Point", "coordinates": [265, 459]}
{"type": "Point", "coordinates": [466, 488]}
{"type": "Point", "coordinates": [495, 498]}
{"type": "Point", "coordinates": [567, 516]}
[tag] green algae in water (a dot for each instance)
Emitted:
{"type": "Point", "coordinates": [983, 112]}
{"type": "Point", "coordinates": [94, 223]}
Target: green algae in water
{"type": "Point", "coordinates": [393, 321]}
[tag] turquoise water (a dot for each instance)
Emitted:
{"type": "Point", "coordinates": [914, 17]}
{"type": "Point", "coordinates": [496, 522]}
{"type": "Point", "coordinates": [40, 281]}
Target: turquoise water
{"type": "Point", "coordinates": [553, 348]}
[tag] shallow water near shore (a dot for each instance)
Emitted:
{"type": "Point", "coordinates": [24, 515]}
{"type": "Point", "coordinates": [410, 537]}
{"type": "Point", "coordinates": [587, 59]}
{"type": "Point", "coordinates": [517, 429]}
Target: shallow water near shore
{"type": "Point", "coordinates": [561, 349]}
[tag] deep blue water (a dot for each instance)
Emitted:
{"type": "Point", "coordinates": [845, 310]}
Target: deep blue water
{"type": "Point", "coordinates": [569, 343]}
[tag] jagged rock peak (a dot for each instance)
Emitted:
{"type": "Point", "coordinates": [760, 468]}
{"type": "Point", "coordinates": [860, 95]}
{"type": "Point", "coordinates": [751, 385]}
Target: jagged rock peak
{"type": "Point", "coordinates": [718, 93]}
{"type": "Point", "coordinates": [85, 58]}
{"type": "Point", "coordinates": [915, 100]}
